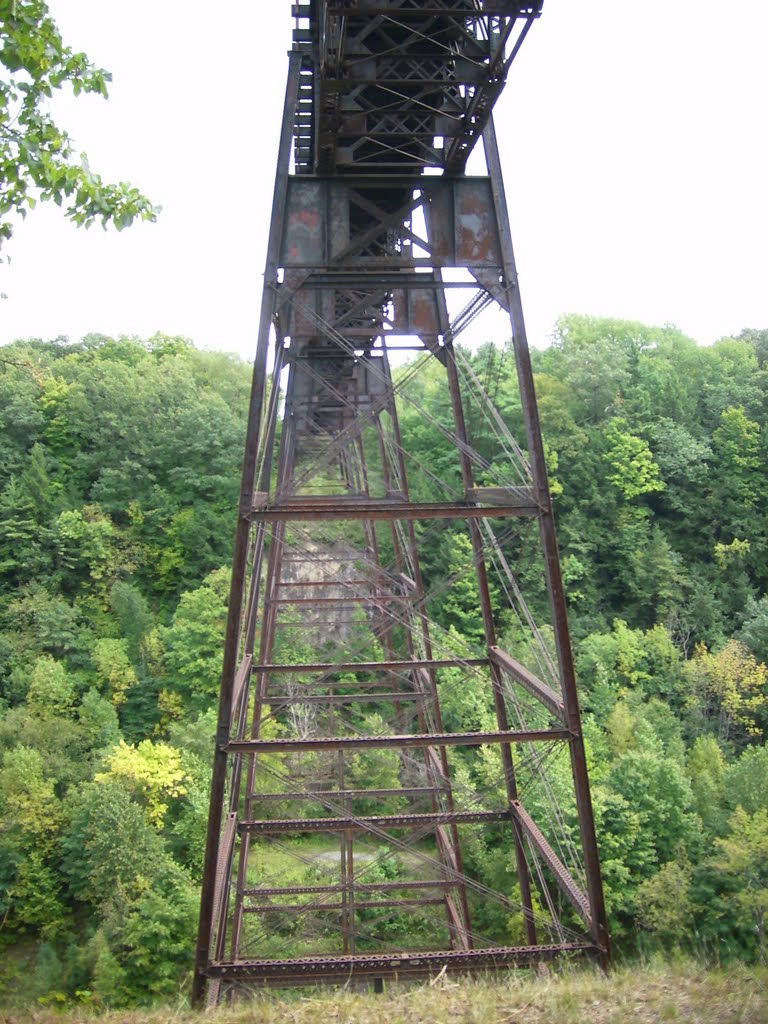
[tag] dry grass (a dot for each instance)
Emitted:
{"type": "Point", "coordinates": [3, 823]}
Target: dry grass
{"type": "Point", "coordinates": [684, 992]}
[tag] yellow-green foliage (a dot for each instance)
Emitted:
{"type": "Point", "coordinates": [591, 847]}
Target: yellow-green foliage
{"type": "Point", "coordinates": [150, 770]}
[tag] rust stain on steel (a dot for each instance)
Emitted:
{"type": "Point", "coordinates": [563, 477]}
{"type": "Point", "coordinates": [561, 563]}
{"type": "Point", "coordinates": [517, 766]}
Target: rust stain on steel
{"type": "Point", "coordinates": [476, 239]}
{"type": "Point", "coordinates": [303, 241]}
{"type": "Point", "coordinates": [423, 318]}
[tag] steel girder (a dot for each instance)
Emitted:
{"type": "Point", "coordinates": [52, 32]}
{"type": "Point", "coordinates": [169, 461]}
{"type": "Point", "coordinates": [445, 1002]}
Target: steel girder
{"type": "Point", "coordinates": [400, 84]}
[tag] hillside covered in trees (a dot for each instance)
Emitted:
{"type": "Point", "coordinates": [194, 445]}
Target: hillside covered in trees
{"type": "Point", "coordinates": [119, 475]}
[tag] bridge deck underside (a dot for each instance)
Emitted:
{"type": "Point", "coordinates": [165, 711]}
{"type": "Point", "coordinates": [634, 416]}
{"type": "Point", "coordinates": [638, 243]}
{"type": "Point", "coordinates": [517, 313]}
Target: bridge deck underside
{"type": "Point", "coordinates": [401, 85]}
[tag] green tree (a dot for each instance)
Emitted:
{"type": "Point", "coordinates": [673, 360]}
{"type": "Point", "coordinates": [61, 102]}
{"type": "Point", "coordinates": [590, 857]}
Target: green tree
{"type": "Point", "coordinates": [152, 939]}
{"type": "Point", "coordinates": [143, 904]}
{"type": "Point", "coordinates": [659, 795]}
{"type": "Point", "coordinates": [632, 469]}
{"type": "Point", "coordinates": [754, 630]}
{"type": "Point", "coordinates": [43, 622]}
{"type": "Point", "coordinates": [743, 856]}
{"type": "Point", "coordinates": [374, 769]}
{"type": "Point", "coordinates": [99, 726]}
{"type": "Point", "coordinates": [37, 159]}
{"type": "Point", "coordinates": [51, 691]}
{"type": "Point", "coordinates": [706, 770]}
{"type": "Point", "coordinates": [729, 692]}
{"type": "Point", "coordinates": [110, 658]}
{"type": "Point", "coordinates": [737, 475]}
{"type": "Point", "coordinates": [21, 418]}
{"type": "Point", "coordinates": [195, 639]}
{"type": "Point", "coordinates": [666, 907]}
{"type": "Point", "coordinates": [21, 552]}
{"type": "Point", "coordinates": [107, 976]}
{"type": "Point", "coordinates": [109, 850]}
{"type": "Point", "coordinates": [85, 539]}
{"type": "Point", "coordinates": [745, 783]}
{"type": "Point", "coordinates": [58, 739]}
{"type": "Point", "coordinates": [131, 610]}
{"type": "Point", "coordinates": [595, 357]}
{"type": "Point", "coordinates": [31, 817]}
{"type": "Point", "coordinates": [460, 607]}
{"type": "Point", "coordinates": [27, 796]}
{"type": "Point", "coordinates": [612, 665]}
{"type": "Point", "coordinates": [466, 701]}
{"type": "Point", "coordinates": [150, 771]}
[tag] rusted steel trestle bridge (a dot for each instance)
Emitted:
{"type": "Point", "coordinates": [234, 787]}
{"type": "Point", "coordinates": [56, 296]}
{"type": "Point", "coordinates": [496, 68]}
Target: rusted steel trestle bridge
{"type": "Point", "coordinates": [343, 711]}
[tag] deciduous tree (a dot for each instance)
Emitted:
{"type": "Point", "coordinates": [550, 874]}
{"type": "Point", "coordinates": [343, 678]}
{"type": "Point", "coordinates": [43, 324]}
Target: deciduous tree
{"type": "Point", "coordinates": [37, 157]}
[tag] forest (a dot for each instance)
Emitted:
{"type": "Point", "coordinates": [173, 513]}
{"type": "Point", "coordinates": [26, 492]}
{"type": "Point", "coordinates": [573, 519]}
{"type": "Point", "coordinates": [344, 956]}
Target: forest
{"type": "Point", "coordinates": [119, 478]}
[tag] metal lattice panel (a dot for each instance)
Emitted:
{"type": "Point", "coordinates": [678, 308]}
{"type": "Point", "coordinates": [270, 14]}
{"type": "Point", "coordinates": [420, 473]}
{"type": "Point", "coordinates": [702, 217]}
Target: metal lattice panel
{"type": "Point", "coordinates": [402, 85]}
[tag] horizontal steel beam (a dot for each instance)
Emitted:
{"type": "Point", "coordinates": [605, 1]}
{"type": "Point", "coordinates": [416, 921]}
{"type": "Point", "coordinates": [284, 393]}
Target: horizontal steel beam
{"type": "Point", "coordinates": [459, 13]}
{"type": "Point", "coordinates": [401, 965]}
{"type": "Point", "coordinates": [326, 685]}
{"type": "Point", "coordinates": [318, 907]}
{"type": "Point", "coordinates": [392, 81]}
{"type": "Point", "coordinates": [353, 511]}
{"type": "Point", "coordinates": [370, 823]}
{"type": "Point", "coordinates": [453, 739]}
{"type": "Point", "coordinates": [396, 182]}
{"type": "Point", "coordinates": [328, 583]}
{"type": "Point", "coordinates": [367, 276]}
{"type": "Point", "coordinates": [343, 698]}
{"type": "Point", "coordinates": [328, 667]}
{"type": "Point", "coordinates": [344, 599]}
{"type": "Point", "coordinates": [516, 496]}
{"type": "Point", "coordinates": [308, 890]}
{"type": "Point", "coordinates": [324, 795]}
{"type": "Point", "coordinates": [319, 560]}
{"type": "Point", "coordinates": [314, 623]}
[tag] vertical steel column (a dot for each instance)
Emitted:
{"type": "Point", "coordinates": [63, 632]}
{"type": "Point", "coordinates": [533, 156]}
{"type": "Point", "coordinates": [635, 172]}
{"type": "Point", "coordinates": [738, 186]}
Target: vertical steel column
{"type": "Point", "coordinates": [549, 547]}
{"type": "Point", "coordinates": [242, 533]}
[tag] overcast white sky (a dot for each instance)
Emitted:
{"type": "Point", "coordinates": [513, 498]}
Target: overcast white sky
{"type": "Point", "coordinates": [633, 139]}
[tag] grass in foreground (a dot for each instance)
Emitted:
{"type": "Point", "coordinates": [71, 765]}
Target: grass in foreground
{"type": "Point", "coordinates": [683, 992]}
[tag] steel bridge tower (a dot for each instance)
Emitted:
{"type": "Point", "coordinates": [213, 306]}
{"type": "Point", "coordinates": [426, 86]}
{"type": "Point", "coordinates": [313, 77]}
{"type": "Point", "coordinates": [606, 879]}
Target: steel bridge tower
{"type": "Point", "coordinates": [382, 754]}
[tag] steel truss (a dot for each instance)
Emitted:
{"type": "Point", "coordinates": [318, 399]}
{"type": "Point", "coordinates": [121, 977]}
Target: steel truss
{"type": "Point", "coordinates": [331, 655]}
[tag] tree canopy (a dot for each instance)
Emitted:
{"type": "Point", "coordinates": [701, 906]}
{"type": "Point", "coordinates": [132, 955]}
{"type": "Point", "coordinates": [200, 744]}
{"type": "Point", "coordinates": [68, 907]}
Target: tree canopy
{"type": "Point", "coordinates": [119, 480]}
{"type": "Point", "coordinates": [38, 159]}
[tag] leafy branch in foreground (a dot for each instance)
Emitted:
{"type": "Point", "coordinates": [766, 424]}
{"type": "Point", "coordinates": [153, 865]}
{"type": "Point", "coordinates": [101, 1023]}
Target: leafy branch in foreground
{"type": "Point", "coordinates": [37, 159]}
